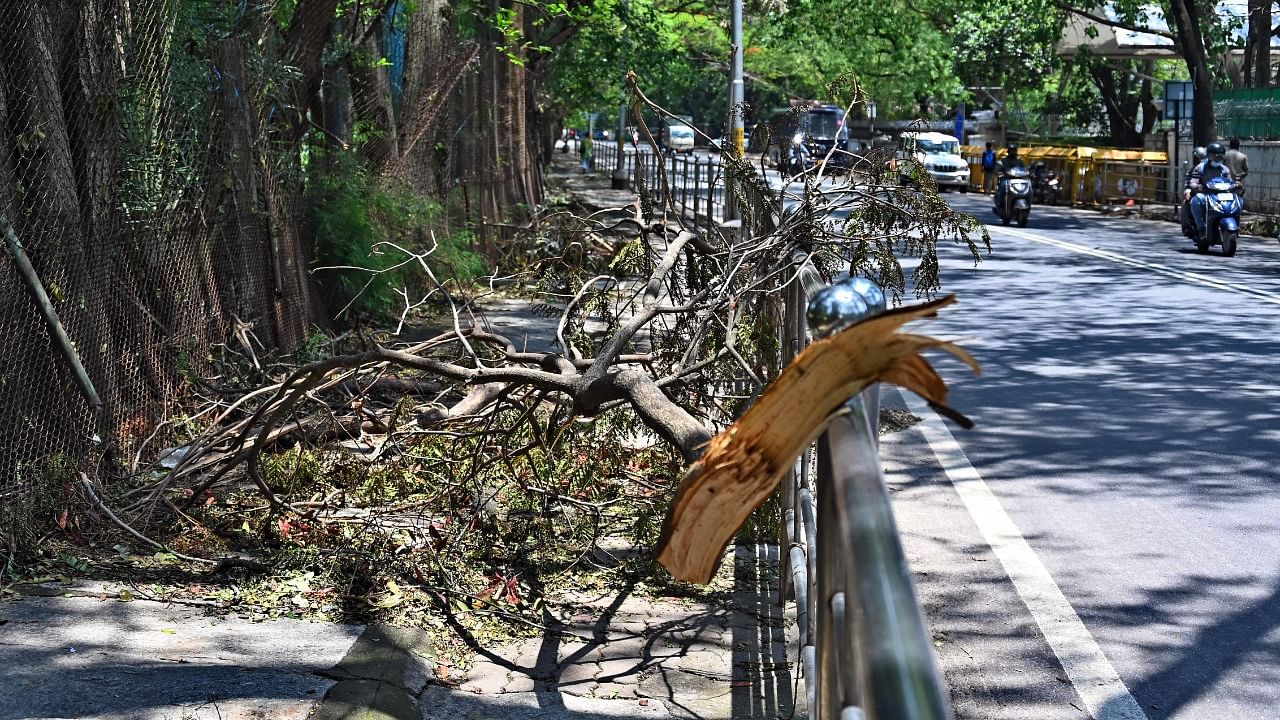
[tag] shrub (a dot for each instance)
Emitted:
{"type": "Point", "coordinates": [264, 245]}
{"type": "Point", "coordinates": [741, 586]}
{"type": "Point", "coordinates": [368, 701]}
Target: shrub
{"type": "Point", "coordinates": [357, 218]}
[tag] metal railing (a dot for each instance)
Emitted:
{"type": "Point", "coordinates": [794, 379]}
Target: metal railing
{"type": "Point", "coordinates": [696, 182]}
{"type": "Point", "coordinates": [864, 647]}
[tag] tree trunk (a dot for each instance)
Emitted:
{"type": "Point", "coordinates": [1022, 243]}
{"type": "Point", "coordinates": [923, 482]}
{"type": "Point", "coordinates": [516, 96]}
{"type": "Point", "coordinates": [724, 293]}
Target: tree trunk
{"type": "Point", "coordinates": [371, 96]}
{"type": "Point", "coordinates": [1120, 103]}
{"type": "Point", "coordinates": [1149, 112]}
{"type": "Point", "coordinates": [309, 32]}
{"type": "Point", "coordinates": [1185, 19]}
{"type": "Point", "coordinates": [1257, 56]}
{"type": "Point", "coordinates": [424, 92]}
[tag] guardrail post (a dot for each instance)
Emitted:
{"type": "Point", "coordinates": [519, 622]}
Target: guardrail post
{"type": "Point", "coordinates": [695, 192]}
{"type": "Point", "coordinates": [711, 195]}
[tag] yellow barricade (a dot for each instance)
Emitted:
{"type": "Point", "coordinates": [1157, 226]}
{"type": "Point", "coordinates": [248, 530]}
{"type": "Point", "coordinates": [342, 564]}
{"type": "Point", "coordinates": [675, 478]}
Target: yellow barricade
{"type": "Point", "coordinates": [1091, 176]}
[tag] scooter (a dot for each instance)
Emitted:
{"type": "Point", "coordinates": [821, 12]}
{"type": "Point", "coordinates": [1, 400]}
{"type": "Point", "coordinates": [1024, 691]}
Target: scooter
{"type": "Point", "coordinates": [1222, 208]}
{"type": "Point", "coordinates": [1047, 187]}
{"type": "Point", "coordinates": [1013, 196]}
{"type": "Point", "coordinates": [797, 158]}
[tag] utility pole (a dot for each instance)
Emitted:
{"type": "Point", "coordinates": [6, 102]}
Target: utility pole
{"type": "Point", "coordinates": [619, 179]}
{"type": "Point", "coordinates": [736, 96]}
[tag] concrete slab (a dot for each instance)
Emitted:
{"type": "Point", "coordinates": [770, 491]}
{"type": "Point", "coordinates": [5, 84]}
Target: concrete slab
{"type": "Point", "coordinates": [83, 657]}
{"type": "Point", "coordinates": [440, 703]}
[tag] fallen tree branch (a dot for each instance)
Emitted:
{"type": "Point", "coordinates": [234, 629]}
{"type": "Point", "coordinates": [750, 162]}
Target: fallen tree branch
{"type": "Point", "coordinates": [743, 464]}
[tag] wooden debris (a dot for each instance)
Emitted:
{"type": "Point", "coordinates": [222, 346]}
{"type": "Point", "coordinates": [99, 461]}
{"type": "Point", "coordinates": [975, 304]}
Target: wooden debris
{"type": "Point", "coordinates": [742, 466]}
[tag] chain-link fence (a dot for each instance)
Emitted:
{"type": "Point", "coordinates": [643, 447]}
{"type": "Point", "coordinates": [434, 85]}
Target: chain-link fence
{"type": "Point", "coordinates": [139, 168]}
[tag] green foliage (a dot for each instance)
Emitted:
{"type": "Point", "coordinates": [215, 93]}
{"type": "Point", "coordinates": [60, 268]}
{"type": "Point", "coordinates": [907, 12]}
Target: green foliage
{"type": "Point", "coordinates": [678, 53]}
{"type": "Point", "coordinates": [1006, 43]}
{"type": "Point", "coordinates": [361, 224]}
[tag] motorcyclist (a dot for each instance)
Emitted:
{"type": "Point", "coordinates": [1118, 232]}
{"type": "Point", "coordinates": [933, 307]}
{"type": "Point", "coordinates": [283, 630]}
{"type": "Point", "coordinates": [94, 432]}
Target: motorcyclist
{"type": "Point", "coordinates": [1011, 159]}
{"type": "Point", "coordinates": [1007, 163]}
{"type": "Point", "coordinates": [1188, 225]}
{"type": "Point", "coordinates": [1212, 168]}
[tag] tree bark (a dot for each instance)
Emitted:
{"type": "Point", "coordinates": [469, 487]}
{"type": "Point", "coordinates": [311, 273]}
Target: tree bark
{"type": "Point", "coordinates": [309, 31]}
{"type": "Point", "coordinates": [371, 98]}
{"type": "Point", "coordinates": [1185, 19]}
{"type": "Point", "coordinates": [1258, 48]}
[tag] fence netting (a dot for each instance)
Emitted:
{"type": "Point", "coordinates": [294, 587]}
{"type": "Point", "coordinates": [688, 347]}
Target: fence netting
{"type": "Point", "coordinates": [140, 168]}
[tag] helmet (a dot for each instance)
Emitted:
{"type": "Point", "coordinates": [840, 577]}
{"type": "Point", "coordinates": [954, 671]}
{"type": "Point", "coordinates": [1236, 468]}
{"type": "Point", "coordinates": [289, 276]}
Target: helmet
{"type": "Point", "coordinates": [1199, 153]}
{"type": "Point", "coordinates": [1216, 151]}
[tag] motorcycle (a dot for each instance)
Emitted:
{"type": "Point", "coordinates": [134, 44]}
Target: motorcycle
{"type": "Point", "coordinates": [1013, 196]}
{"type": "Point", "coordinates": [797, 158]}
{"type": "Point", "coordinates": [1045, 184]}
{"type": "Point", "coordinates": [1222, 208]}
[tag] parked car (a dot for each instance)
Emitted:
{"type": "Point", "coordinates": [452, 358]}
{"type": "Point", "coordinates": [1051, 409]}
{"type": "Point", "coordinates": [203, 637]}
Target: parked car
{"type": "Point", "coordinates": [677, 135]}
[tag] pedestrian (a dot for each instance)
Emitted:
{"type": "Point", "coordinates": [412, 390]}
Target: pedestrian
{"type": "Point", "coordinates": [1237, 162]}
{"type": "Point", "coordinates": [989, 168]}
{"type": "Point", "coordinates": [584, 151]}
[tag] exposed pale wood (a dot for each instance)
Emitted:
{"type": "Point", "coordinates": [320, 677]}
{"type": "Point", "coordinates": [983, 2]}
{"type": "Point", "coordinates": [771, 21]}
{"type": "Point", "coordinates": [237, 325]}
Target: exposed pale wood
{"type": "Point", "coordinates": [742, 465]}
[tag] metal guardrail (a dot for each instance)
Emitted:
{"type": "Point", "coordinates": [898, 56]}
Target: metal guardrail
{"type": "Point", "coordinates": [693, 179]}
{"type": "Point", "coordinates": [865, 650]}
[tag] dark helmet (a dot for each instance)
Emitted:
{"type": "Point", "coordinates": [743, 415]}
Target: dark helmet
{"type": "Point", "coordinates": [1216, 151]}
{"type": "Point", "coordinates": [1199, 153]}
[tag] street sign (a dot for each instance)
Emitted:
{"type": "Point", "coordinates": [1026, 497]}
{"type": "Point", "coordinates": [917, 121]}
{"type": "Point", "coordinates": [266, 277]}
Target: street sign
{"type": "Point", "coordinates": [1179, 96]}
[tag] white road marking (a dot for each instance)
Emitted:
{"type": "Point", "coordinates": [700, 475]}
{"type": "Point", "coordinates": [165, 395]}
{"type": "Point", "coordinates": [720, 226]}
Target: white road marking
{"type": "Point", "coordinates": [1089, 670]}
{"type": "Point", "coordinates": [1187, 275]}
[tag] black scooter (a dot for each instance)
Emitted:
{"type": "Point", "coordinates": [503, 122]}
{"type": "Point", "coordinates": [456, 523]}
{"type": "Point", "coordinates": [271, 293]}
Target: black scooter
{"type": "Point", "coordinates": [1046, 188]}
{"type": "Point", "coordinates": [797, 158]}
{"type": "Point", "coordinates": [1013, 196]}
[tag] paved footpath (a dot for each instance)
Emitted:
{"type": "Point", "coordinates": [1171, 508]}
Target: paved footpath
{"type": "Point", "coordinates": [81, 652]}
{"type": "Point", "coordinates": [626, 656]}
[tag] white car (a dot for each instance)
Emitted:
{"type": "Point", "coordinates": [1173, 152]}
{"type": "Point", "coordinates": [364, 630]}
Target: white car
{"type": "Point", "coordinates": [940, 156]}
{"type": "Point", "coordinates": [677, 138]}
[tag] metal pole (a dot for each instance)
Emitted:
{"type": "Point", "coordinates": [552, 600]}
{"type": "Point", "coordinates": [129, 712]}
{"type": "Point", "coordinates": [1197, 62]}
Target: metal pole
{"type": "Point", "coordinates": [56, 331]}
{"type": "Point", "coordinates": [736, 95]}
{"type": "Point", "coordinates": [619, 179]}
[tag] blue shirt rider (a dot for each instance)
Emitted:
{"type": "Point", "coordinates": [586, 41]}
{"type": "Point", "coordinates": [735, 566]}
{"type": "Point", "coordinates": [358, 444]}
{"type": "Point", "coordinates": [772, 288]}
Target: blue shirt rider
{"type": "Point", "coordinates": [1213, 168]}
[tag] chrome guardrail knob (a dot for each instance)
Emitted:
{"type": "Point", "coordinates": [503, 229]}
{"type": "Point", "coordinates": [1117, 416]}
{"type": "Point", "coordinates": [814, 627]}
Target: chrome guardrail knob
{"type": "Point", "coordinates": [840, 305]}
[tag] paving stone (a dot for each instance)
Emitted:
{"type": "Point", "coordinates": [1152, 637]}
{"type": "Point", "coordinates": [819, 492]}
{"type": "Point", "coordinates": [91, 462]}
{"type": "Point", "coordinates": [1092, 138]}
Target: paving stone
{"type": "Point", "coordinates": [573, 652]}
{"type": "Point", "coordinates": [625, 671]}
{"type": "Point", "coordinates": [486, 683]}
{"type": "Point", "coordinates": [526, 655]}
{"type": "Point", "coordinates": [519, 682]}
{"type": "Point", "coordinates": [612, 691]}
{"type": "Point", "coordinates": [707, 662]}
{"type": "Point", "coordinates": [636, 648]}
{"type": "Point", "coordinates": [578, 674]}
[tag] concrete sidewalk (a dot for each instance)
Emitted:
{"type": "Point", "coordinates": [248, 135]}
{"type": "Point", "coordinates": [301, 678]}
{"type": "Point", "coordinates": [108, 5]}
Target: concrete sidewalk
{"type": "Point", "coordinates": [84, 657]}
{"type": "Point", "coordinates": [82, 651]}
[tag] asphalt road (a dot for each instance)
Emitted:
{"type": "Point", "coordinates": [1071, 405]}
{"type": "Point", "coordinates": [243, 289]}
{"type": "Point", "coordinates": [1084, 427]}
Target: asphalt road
{"type": "Point", "coordinates": [1106, 541]}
